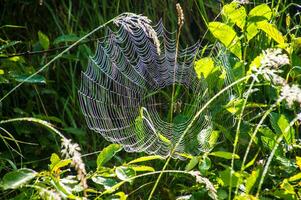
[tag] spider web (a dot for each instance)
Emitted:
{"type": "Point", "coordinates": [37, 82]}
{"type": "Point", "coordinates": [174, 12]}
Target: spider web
{"type": "Point", "coordinates": [121, 90]}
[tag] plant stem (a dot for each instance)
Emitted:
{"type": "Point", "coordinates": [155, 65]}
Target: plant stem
{"type": "Point", "coordinates": [189, 126]}
{"type": "Point", "coordinates": [237, 136]}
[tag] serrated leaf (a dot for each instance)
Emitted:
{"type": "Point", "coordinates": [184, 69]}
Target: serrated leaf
{"type": "Point", "coordinates": [192, 163]}
{"type": "Point", "coordinates": [272, 31]}
{"type": "Point", "coordinates": [235, 14]}
{"type": "Point", "coordinates": [44, 40]}
{"type": "Point", "coordinates": [204, 66]}
{"type": "Point", "coordinates": [226, 35]}
{"type": "Point", "coordinates": [124, 173]}
{"type": "Point", "coordinates": [146, 158]}
{"type": "Point", "coordinates": [107, 154]}
{"type": "Point", "coordinates": [224, 154]}
{"type": "Point", "coordinates": [66, 38]}
{"type": "Point", "coordinates": [17, 178]}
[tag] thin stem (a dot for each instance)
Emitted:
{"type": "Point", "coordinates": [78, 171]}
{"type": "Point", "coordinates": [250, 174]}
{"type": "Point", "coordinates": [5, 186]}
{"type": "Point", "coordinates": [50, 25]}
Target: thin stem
{"type": "Point", "coordinates": [56, 57]}
{"type": "Point", "coordinates": [35, 120]}
{"type": "Point", "coordinates": [191, 123]}
{"type": "Point", "coordinates": [253, 137]}
{"type": "Point", "coordinates": [237, 135]}
{"type": "Point", "coordinates": [265, 170]}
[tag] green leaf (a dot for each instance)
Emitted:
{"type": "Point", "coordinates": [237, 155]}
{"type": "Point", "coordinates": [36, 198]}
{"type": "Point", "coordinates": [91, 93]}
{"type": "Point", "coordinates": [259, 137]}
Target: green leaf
{"type": "Point", "coordinates": [107, 154]}
{"type": "Point", "coordinates": [124, 173]}
{"type": "Point", "coordinates": [192, 163]}
{"type": "Point", "coordinates": [251, 180]}
{"type": "Point", "coordinates": [57, 163]}
{"type": "Point", "coordinates": [1, 71]}
{"type": "Point", "coordinates": [224, 154]}
{"type": "Point", "coordinates": [272, 31]}
{"type": "Point", "coordinates": [143, 168]}
{"type": "Point", "coordinates": [204, 165]}
{"type": "Point", "coordinates": [262, 11]}
{"type": "Point", "coordinates": [35, 79]}
{"type": "Point", "coordinates": [44, 40]}
{"type": "Point", "coordinates": [226, 35]}
{"type": "Point", "coordinates": [225, 177]}
{"type": "Point", "coordinates": [295, 177]}
{"type": "Point", "coordinates": [280, 124]}
{"type": "Point", "coordinates": [204, 66]}
{"type": "Point", "coordinates": [104, 181]}
{"type": "Point", "coordinates": [235, 14]}
{"type": "Point", "coordinates": [66, 38]}
{"type": "Point", "coordinates": [146, 158]}
{"type": "Point", "coordinates": [17, 178]}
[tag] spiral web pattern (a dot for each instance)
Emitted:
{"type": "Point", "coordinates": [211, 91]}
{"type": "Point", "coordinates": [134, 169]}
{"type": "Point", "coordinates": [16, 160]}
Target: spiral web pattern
{"type": "Point", "coordinates": [122, 89]}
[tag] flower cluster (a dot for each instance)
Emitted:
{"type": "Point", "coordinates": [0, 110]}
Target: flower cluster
{"type": "Point", "coordinates": [274, 58]}
{"type": "Point", "coordinates": [72, 151]}
{"type": "Point", "coordinates": [180, 15]}
{"type": "Point", "coordinates": [130, 21]}
{"type": "Point", "coordinates": [291, 94]}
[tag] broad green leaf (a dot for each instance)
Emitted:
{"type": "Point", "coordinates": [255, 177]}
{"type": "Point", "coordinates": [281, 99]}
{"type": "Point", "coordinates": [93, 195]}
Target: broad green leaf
{"type": "Point", "coordinates": [272, 31]}
{"type": "Point", "coordinates": [44, 40]}
{"type": "Point", "coordinates": [142, 168]}
{"type": "Point", "coordinates": [225, 177]}
{"type": "Point", "coordinates": [226, 35]}
{"type": "Point", "coordinates": [124, 173]}
{"type": "Point", "coordinates": [235, 14]}
{"type": "Point", "coordinates": [261, 11]}
{"type": "Point", "coordinates": [251, 180]}
{"type": "Point", "coordinates": [256, 63]}
{"type": "Point", "coordinates": [17, 178]}
{"type": "Point", "coordinates": [35, 79]}
{"type": "Point", "coordinates": [66, 38]}
{"type": "Point", "coordinates": [224, 154]}
{"type": "Point", "coordinates": [280, 124]}
{"type": "Point", "coordinates": [192, 163]}
{"type": "Point", "coordinates": [146, 158]}
{"type": "Point", "coordinates": [1, 71]}
{"type": "Point", "coordinates": [204, 66]}
{"type": "Point", "coordinates": [257, 14]}
{"type": "Point", "coordinates": [107, 154]}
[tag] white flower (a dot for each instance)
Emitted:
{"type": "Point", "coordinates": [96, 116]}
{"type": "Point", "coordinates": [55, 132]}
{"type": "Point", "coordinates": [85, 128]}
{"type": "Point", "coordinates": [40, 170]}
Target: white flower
{"type": "Point", "coordinates": [291, 94]}
{"type": "Point", "coordinates": [242, 1]}
{"type": "Point", "coordinates": [274, 58]}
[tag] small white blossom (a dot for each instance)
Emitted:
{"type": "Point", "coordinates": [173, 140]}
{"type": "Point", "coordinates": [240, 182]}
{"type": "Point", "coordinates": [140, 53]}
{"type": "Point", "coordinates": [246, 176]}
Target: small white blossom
{"type": "Point", "coordinates": [242, 2]}
{"type": "Point", "coordinates": [291, 94]}
{"type": "Point", "coordinates": [274, 58]}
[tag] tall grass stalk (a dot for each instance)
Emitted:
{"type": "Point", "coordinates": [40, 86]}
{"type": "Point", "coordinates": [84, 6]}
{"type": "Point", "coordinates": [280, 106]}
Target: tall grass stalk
{"type": "Point", "coordinates": [237, 134]}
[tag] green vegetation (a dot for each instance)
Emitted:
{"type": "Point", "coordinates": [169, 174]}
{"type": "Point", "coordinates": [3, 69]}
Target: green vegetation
{"type": "Point", "coordinates": [250, 60]}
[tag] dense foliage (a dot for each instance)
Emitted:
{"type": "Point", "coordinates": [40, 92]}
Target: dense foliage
{"type": "Point", "coordinates": [250, 62]}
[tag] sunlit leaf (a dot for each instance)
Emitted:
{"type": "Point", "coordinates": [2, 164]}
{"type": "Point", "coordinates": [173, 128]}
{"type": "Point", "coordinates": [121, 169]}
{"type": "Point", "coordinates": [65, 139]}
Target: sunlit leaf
{"type": "Point", "coordinates": [146, 158]}
{"type": "Point", "coordinates": [251, 180]}
{"type": "Point", "coordinates": [261, 11]}
{"type": "Point", "coordinates": [44, 40]}
{"type": "Point", "coordinates": [226, 35]}
{"type": "Point", "coordinates": [235, 14]}
{"type": "Point", "coordinates": [281, 125]}
{"type": "Point", "coordinates": [192, 163]}
{"type": "Point", "coordinates": [272, 31]}
{"type": "Point", "coordinates": [203, 67]}
{"type": "Point", "coordinates": [143, 168]}
{"type": "Point", "coordinates": [124, 173]}
{"type": "Point", "coordinates": [224, 154]}
{"type": "Point", "coordinates": [17, 178]}
{"type": "Point", "coordinates": [107, 154]}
